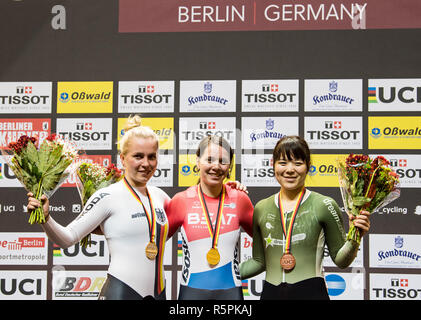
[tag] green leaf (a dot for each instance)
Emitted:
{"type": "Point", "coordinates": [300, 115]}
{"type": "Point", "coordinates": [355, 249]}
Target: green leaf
{"type": "Point", "coordinates": [359, 188]}
{"type": "Point", "coordinates": [360, 201]}
{"type": "Point", "coordinates": [31, 152]}
{"type": "Point", "coordinates": [354, 182]}
{"type": "Point", "coordinates": [43, 157]}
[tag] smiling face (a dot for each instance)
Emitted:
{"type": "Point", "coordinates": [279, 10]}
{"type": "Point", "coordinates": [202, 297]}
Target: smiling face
{"type": "Point", "coordinates": [214, 166]}
{"type": "Point", "coordinates": [291, 174]}
{"type": "Point", "coordinates": [291, 162]}
{"type": "Point", "coordinates": [140, 160]}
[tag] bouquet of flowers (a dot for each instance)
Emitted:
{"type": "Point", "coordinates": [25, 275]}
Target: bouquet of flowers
{"type": "Point", "coordinates": [92, 177]}
{"type": "Point", "coordinates": [366, 184]}
{"type": "Point", "coordinates": [41, 170]}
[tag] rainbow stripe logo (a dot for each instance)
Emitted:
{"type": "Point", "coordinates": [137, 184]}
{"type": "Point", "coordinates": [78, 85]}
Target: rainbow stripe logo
{"type": "Point", "coordinates": [372, 96]}
{"type": "Point", "coordinates": [56, 251]}
{"type": "Point", "coordinates": [245, 285]}
{"type": "Point", "coordinates": [1, 166]}
{"type": "Point", "coordinates": [180, 248]}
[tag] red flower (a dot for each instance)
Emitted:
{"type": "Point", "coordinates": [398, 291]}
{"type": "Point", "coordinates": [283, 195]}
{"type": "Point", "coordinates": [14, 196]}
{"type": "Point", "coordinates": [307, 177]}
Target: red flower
{"type": "Point", "coordinates": [21, 143]}
{"type": "Point", "coordinates": [393, 174]}
{"type": "Point", "coordinates": [52, 137]}
{"type": "Point", "coordinates": [112, 169]}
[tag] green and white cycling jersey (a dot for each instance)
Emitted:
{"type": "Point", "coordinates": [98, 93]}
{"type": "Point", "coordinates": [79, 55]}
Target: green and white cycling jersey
{"type": "Point", "coordinates": [318, 221]}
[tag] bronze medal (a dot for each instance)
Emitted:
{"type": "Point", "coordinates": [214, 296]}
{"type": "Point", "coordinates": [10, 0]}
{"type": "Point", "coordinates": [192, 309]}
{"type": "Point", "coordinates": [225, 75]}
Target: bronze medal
{"type": "Point", "coordinates": [213, 257]}
{"type": "Point", "coordinates": [151, 251]}
{"type": "Point", "coordinates": [287, 261]}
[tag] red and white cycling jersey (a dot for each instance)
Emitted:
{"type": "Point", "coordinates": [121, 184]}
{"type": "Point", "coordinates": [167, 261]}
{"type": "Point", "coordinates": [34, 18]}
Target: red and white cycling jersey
{"type": "Point", "coordinates": [185, 210]}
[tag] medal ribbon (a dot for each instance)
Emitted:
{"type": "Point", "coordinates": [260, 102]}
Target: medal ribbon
{"type": "Point", "coordinates": [150, 217]}
{"type": "Point", "coordinates": [213, 232]}
{"type": "Point", "coordinates": [288, 233]}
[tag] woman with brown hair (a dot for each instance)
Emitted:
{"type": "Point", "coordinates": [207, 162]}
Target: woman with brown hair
{"type": "Point", "coordinates": [211, 214]}
{"type": "Point", "coordinates": [291, 228]}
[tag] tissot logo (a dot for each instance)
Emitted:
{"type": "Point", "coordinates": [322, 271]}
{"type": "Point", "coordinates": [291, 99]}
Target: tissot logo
{"type": "Point", "coordinates": [84, 126]}
{"type": "Point", "coordinates": [333, 124]}
{"type": "Point", "coordinates": [207, 125]}
{"type": "Point", "coordinates": [270, 95]}
{"type": "Point", "coordinates": [25, 97]}
{"type": "Point", "coordinates": [146, 96]}
{"type": "Point", "coordinates": [147, 89]}
{"type": "Point", "coordinates": [192, 130]}
{"type": "Point", "coordinates": [398, 162]}
{"type": "Point", "coordinates": [331, 133]}
{"type": "Point", "coordinates": [395, 287]}
{"type": "Point", "coordinates": [24, 90]}
{"type": "Point", "coordinates": [399, 282]}
{"type": "Point", "coordinates": [88, 134]}
{"type": "Point", "coordinates": [270, 88]}
{"type": "Point", "coordinates": [257, 170]}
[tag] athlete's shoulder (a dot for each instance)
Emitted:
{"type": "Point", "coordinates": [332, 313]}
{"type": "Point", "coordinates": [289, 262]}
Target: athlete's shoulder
{"type": "Point", "coordinates": [104, 197]}
{"type": "Point", "coordinates": [266, 202]}
{"type": "Point", "coordinates": [320, 199]}
{"type": "Point", "coordinates": [324, 206]}
{"type": "Point", "coordinates": [183, 198]}
{"type": "Point", "coordinates": [265, 206]}
{"type": "Point", "coordinates": [111, 190]}
{"type": "Point", "coordinates": [190, 192]}
{"type": "Point", "coordinates": [158, 192]}
{"type": "Point", "coordinates": [232, 192]}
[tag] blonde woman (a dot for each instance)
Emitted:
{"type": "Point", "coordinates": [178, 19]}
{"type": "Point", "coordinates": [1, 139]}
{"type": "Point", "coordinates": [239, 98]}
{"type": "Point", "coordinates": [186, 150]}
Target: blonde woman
{"type": "Point", "coordinates": [132, 218]}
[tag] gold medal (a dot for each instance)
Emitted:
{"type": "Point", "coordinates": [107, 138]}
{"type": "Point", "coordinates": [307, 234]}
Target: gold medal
{"type": "Point", "coordinates": [287, 261]}
{"type": "Point", "coordinates": [213, 257]}
{"type": "Point", "coordinates": [151, 251]}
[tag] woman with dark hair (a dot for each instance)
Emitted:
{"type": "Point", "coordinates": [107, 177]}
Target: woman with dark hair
{"type": "Point", "coordinates": [211, 214]}
{"type": "Point", "coordinates": [291, 228]}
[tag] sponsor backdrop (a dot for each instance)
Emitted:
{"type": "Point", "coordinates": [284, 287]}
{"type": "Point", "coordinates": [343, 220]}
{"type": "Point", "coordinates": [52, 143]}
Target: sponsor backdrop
{"type": "Point", "coordinates": [344, 75]}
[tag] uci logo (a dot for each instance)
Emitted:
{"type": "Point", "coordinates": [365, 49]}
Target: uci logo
{"type": "Point", "coordinates": [375, 133]}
